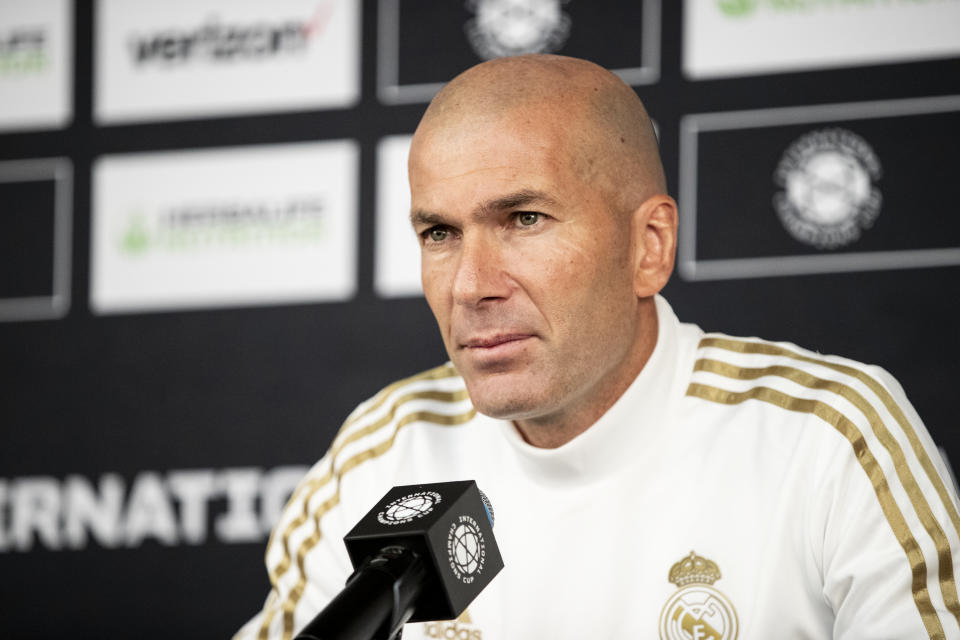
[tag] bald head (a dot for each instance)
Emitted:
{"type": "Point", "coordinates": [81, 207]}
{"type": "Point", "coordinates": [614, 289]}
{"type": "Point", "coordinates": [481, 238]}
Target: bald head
{"type": "Point", "coordinates": [537, 195]}
{"type": "Point", "coordinates": [607, 133]}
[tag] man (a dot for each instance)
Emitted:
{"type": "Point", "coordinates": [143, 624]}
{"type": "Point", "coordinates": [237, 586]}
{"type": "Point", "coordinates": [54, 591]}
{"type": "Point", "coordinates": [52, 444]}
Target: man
{"type": "Point", "coordinates": [649, 480]}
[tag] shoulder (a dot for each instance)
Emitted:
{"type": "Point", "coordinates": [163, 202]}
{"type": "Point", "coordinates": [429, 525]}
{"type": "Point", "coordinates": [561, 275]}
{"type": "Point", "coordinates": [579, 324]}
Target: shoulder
{"type": "Point", "coordinates": [399, 411]}
{"type": "Point", "coordinates": [732, 371]}
{"type": "Point", "coordinates": [869, 446]}
{"type": "Point", "coordinates": [852, 415]}
{"type": "Point", "coordinates": [374, 443]}
{"type": "Point", "coordinates": [367, 453]}
{"type": "Point", "coordinates": [306, 563]}
{"type": "Point", "coordinates": [441, 390]}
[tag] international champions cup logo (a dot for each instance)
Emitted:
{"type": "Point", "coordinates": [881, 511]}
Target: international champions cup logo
{"type": "Point", "coordinates": [409, 508]}
{"type": "Point", "coordinates": [829, 191]}
{"type": "Point", "coordinates": [466, 549]}
{"type": "Point", "coordinates": [697, 610]}
{"type": "Point", "coordinates": [514, 27]}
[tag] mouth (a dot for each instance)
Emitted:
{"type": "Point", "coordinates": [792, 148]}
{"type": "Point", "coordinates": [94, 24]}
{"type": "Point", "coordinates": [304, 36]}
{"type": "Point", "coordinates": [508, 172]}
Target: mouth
{"type": "Point", "coordinates": [495, 352]}
{"type": "Point", "coordinates": [482, 343]}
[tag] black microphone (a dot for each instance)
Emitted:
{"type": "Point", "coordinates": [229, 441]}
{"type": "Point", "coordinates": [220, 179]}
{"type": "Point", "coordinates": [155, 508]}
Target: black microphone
{"type": "Point", "coordinates": [423, 553]}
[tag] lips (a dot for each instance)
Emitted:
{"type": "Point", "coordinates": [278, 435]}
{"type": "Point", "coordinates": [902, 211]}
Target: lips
{"type": "Point", "coordinates": [492, 341]}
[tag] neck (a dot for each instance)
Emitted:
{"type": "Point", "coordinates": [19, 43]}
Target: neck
{"type": "Point", "coordinates": [556, 429]}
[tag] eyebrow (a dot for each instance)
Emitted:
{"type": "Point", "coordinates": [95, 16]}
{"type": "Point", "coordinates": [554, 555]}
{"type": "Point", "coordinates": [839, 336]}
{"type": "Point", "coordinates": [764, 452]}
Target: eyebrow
{"type": "Point", "coordinates": [513, 200]}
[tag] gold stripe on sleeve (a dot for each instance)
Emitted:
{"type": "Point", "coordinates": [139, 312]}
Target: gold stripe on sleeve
{"type": "Point", "coordinates": [848, 429]}
{"type": "Point", "coordinates": [317, 483]}
{"type": "Point", "coordinates": [293, 598]}
{"type": "Point", "coordinates": [437, 373]}
{"type": "Point", "coordinates": [309, 488]}
{"type": "Point", "coordinates": [948, 587]}
{"type": "Point", "coordinates": [314, 484]}
{"type": "Point", "coordinates": [270, 610]}
{"type": "Point", "coordinates": [878, 389]}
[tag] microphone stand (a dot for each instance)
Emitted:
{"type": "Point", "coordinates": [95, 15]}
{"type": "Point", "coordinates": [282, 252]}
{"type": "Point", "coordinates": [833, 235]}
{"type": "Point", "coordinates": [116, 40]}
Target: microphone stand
{"type": "Point", "coordinates": [379, 598]}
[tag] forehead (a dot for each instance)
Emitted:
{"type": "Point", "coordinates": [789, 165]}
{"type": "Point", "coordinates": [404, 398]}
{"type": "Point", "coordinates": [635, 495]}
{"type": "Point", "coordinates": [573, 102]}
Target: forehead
{"type": "Point", "coordinates": [478, 159]}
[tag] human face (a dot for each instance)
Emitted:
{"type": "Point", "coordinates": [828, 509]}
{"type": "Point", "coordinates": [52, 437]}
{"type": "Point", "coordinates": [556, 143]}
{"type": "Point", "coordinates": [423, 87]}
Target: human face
{"type": "Point", "coordinates": [526, 268]}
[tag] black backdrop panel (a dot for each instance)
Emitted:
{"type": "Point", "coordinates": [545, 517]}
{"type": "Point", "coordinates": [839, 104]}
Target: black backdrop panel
{"type": "Point", "coordinates": [28, 254]}
{"type": "Point", "coordinates": [183, 424]}
{"type": "Point", "coordinates": [608, 32]}
{"type": "Point", "coordinates": [916, 186]}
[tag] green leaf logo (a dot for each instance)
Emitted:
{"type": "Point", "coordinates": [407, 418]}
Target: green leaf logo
{"type": "Point", "coordinates": [136, 239]}
{"type": "Point", "coordinates": [737, 8]}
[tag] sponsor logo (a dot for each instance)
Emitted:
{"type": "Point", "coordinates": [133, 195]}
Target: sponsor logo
{"type": "Point", "coordinates": [23, 51]}
{"type": "Point", "coordinates": [736, 8]}
{"type": "Point", "coordinates": [741, 8]}
{"type": "Point", "coordinates": [231, 224]}
{"type": "Point", "coordinates": [466, 549]}
{"type": "Point", "coordinates": [745, 37]}
{"type": "Point", "coordinates": [216, 41]}
{"type": "Point", "coordinates": [182, 507]}
{"type": "Point", "coordinates": [829, 195]}
{"type": "Point", "coordinates": [408, 508]}
{"type": "Point", "coordinates": [270, 224]}
{"type": "Point", "coordinates": [460, 629]}
{"type": "Point", "coordinates": [514, 27]}
{"type": "Point", "coordinates": [697, 610]}
{"type": "Point", "coordinates": [184, 59]}
{"type": "Point", "coordinates": [36, 68]}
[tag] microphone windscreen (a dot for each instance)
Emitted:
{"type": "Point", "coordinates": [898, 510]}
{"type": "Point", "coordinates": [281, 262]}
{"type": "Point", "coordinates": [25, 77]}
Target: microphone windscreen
{"type": "Point", "coordinates": [487, 506]}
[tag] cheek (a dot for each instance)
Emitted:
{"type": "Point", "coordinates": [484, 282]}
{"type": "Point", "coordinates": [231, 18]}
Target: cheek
{"type": "Point", "coordinates": [592, 260]}
{"type": "Point", "coordinates": [435, 289]}
{"type": "Point", "coordinates": [586, 289]}
{"type": "Point", "coordinates": [559, 277]}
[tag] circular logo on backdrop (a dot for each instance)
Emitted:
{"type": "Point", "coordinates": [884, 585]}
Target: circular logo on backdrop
{"type": "Point", "coordinates": [408, 508]}
{"type": "Point", "coordinates": [466, 549]}
{"type": "Point", "coordinates": [829, 195]}
{"type": "Point", "coordinates": [514, 27]}
{"type": "Point", "coordinates": [697, 609]}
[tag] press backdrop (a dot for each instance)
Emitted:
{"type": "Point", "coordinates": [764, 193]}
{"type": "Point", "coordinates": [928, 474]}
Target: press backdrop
{"type": "Point", "coordinates": [204, 260]}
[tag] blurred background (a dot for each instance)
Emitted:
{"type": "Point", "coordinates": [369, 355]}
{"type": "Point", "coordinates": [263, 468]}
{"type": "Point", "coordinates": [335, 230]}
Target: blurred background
{"type": "Point", "coordinates": [205, 262]}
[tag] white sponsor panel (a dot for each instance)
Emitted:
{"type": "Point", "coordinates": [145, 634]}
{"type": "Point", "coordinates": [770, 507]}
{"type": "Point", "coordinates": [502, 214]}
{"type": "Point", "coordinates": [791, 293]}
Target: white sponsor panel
{"type": "Point", "coordinates": [36, 70]}
{"type": "Point", "coordinates": [201, 58]}
{"type": "Point", "coordinates": [253, 225]}
{"type": "Point", "coordinates": [180, 507]}
{"type": "Point", "coordinates": [743, 37]}
{"type": "Point", "coordinates": [828, 215]}
{"type": "Point", "coordinates": [397, 262]}
{"type": "Point", "coordinates": [59, 172]}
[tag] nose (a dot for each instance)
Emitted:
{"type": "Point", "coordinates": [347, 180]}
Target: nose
{"type": "Point", "coordinates": [480, 274]}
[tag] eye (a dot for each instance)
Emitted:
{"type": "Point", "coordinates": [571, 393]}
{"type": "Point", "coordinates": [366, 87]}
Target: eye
{"type": "Point", "coordinates": [436, 234]}
{"type": "Point", "coordinates": [528, 218]}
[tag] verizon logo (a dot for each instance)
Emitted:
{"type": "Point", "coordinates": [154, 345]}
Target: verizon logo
{"type": "Point", "coordinates": [216, 41]}
{"type": "Point", "coordinates": [21, 40]}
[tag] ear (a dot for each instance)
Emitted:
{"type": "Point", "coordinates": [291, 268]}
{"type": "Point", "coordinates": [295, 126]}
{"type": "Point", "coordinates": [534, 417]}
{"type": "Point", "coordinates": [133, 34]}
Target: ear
{"type": "Point", "coordinates": [654, 231]}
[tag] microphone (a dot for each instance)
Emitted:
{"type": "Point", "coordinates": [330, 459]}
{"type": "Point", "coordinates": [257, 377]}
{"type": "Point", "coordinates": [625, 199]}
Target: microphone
{"type": "Point", "coordinates": [424, 552]}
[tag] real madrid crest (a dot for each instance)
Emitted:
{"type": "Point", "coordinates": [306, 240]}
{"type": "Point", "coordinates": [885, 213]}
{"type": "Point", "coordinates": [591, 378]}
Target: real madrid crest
{"type": "Point", "coordinates": [697, 610]}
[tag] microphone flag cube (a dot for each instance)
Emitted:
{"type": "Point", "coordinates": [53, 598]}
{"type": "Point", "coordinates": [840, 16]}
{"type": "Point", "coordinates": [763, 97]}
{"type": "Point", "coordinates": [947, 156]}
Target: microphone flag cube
{"type": "Point", "coordinates": [450, 526]}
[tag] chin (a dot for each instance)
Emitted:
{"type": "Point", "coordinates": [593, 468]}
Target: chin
{"type": "Point", "coordinates": [505, 401]}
